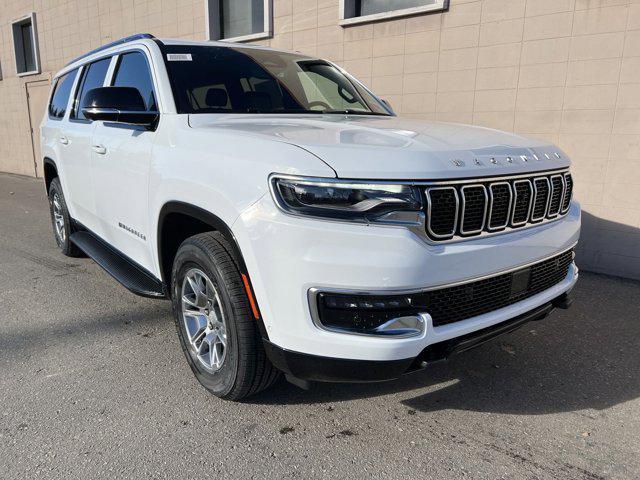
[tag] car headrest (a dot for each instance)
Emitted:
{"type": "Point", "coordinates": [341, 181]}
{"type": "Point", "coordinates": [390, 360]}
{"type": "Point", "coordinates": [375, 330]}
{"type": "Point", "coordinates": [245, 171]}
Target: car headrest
{"type": "Point", "coordinates": [216, 97]}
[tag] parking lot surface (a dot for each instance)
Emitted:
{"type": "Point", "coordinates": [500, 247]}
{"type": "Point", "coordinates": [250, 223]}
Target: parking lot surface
{"type": "Point", "coordinates": [93, 384]}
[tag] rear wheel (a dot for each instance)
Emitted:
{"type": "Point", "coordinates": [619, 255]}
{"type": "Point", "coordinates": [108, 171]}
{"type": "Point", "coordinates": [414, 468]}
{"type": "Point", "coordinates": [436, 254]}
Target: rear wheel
{"type": "Point", "coordinates": [217, 330]}
{"type": "Point", "coordinates": [61, 221]}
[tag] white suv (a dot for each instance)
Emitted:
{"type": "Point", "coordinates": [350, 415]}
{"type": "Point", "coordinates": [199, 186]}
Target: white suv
{"type": "Point", "coordinates": [296, 224]}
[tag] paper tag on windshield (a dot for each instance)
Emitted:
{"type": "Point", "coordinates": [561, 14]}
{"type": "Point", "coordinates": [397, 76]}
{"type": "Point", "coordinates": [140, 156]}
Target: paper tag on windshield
{"type": "Point", "coordinates": [179, 57]}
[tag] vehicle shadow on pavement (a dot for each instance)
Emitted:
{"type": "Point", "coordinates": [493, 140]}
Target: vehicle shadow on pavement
{"type": "Point", "coordinates": [582, 358]}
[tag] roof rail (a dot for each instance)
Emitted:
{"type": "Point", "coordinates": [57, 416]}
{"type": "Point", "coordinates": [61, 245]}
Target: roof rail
{"type": "Point", "coordinates": [128, 39]}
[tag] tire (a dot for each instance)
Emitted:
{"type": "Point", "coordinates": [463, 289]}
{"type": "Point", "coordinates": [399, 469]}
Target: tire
{"type": "Point", "coordinates": [61, 221]}
{"type": "Point", "coordinates": [235, 369]}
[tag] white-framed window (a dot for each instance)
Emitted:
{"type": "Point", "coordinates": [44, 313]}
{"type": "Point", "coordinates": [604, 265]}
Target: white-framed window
{"type": "Point", "coordinates": [239, 20]}
{"type": "Point", "coordinates": [25, 45]}
{"type": "Point", "coordinates": [362, 11]}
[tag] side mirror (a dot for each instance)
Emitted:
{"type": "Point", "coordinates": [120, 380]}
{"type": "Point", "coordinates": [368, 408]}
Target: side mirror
{"type": "Point", "coordinates": [117, 104]}
{"type": "Point", "coordinates": [387, 104]}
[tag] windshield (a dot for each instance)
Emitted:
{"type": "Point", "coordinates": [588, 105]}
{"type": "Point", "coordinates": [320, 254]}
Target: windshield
{"type": "Point", "coordinates": [211, 79]}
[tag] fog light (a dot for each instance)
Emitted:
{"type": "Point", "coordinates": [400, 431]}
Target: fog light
{"type": "Point", "coordinates": [395, 316]}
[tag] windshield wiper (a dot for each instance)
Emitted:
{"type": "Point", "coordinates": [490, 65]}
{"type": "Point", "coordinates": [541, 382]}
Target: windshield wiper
{"type": "Point", "coordinates": [349, 111]}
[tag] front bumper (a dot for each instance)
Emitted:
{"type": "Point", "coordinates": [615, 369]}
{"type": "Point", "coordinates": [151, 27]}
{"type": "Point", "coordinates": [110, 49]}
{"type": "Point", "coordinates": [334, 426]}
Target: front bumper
{"type": "Point", "coordinates": [288, 256]}
{"type": "Point", "coordinates": [324, 369]}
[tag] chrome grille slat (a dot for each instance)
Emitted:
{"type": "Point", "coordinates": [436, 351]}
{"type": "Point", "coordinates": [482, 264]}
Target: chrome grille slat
{"type": "Point", "coordinates": [568, 192]}
{"type": "Point", "coordinates": [541, 191]}
{"type": "Point", "coordinates": [440, 202]}
{"type": "Point", "coordinates": [555, 197]}
{"type": "Point", "coordinates": [496, 206]}
{"type": "Point", "coordinates": [464, 209]}
{"type": "Point", "coordinates": [522, 207]}
{"type": "Point", "coordinates": [474, 209]}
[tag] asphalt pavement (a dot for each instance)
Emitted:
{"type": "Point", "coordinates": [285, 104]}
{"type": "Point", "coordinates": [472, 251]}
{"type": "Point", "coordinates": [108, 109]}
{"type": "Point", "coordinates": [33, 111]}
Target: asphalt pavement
{"type": "Point", "coordinates": [93, 384]}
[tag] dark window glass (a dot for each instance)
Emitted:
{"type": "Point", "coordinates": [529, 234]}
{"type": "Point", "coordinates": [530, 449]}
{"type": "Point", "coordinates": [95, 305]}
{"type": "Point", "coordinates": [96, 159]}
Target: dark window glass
{"type": "Point", "coordinates": [61, 92]}
{"type": "Point", "coordinates": [93, 77]}
{"type": "Point", "coordinates": [27, 47]}
{"type": "Point", "coordinates": [370, 7]}
{"type": "Point", "coordinates": [133, 71]}
{"type": "Point", "coordinates": [241, 17]}
{"type": "Point", "coordinates": [250, 80]}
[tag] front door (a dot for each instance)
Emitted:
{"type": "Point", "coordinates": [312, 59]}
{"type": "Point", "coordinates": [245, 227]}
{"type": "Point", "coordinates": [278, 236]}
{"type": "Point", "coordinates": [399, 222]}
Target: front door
{"type": "Point", "coordinates": [75, 139]}
{"type": "Point", "coordinates": [121, 162]}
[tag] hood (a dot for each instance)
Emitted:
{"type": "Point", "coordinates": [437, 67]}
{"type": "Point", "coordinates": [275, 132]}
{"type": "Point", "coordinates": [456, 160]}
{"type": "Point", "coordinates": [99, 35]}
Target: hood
{"type": "Point", "coordinates": [372, 147]}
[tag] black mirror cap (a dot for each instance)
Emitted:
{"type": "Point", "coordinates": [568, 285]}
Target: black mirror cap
{"type": "Point", "coordinates": [117, 98]}
{"type": "Point", "coordinates": [117, 104]}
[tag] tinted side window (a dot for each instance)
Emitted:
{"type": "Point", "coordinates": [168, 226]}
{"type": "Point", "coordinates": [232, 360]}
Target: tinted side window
{"type": "Point", "coordinates": [93, 77]}
{"type": "Point", "coordinates": [61, 92]}
{"type": "Point", "coordinates": [133, 71]}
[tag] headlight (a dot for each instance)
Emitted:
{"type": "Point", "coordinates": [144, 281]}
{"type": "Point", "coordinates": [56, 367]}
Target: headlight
{"type": "Point", "coordinates": [353, 201]}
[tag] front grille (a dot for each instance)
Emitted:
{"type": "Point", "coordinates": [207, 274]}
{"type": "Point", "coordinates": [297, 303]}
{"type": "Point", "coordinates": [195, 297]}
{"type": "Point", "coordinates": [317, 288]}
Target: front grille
{"type": "Point", "coordinates": [479, 206]}
{"type": "Point", "coordinates": [453, 304]}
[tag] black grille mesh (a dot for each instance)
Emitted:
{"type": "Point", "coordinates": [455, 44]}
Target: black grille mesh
{"type": "Point", "coordinates": [475, 204]}
{"type": "Point", "coordinates": [457, 303]}
{"type": "Point", "coordinates": [443, 211]}
{"type": "Point", "coordinates": [541, 199]}
{"type": "Point", "coordinates": [522, 203]}
{"type": "Point", "coordinates": [501, 199]}
{"type": "Point", "coordinates": [556, 195]}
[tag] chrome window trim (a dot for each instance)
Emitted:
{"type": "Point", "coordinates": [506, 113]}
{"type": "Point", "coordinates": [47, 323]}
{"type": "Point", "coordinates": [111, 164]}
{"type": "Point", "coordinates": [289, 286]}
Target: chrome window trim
{"type": "Point", "coordinates": [535, 197]}
{"type": "Point", "coordinates": [484, 215]}
{"type": "Point", "coordinates": [501, 227]}
{"type": "Point", "coordinates": [566, 190]}
{"type": "Point", "coordinates": [313, 292]}
{"type": "Point", "coordinates": [455, 222]}
{"type": "Point", "coordinates": [549, 213]}
{"type": "Point", "coordinates": [515, 202]}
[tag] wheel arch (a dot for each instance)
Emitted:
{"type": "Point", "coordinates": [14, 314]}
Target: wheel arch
{"type": "Point", "coordinates": [176, 211]}
{"type": "Point", "coordinates": [178, 221]}
{"type": "Point", "coordinates": [50, 171]}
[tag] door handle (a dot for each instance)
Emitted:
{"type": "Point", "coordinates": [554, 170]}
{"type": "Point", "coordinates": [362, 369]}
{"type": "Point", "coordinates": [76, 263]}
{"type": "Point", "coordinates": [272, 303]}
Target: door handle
{"type": "Point", "coordinates": [64, 140]}
{"type": "Point", "coordinates": [99, 149]}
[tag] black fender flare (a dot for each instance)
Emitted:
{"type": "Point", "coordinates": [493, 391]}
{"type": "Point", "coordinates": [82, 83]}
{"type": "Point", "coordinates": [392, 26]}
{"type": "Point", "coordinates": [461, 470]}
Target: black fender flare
{"type": "Point", "coordinates": [217, 224]}
{"type": "Point", "coordinates": [48, 161]}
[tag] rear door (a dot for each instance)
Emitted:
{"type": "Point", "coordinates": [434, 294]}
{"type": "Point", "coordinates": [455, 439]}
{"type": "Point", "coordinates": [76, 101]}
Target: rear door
{"type": "Point", "coordinates": [76, 141]}
{"type": "Point", "coordinates": [52, 127]}
{"type": "Point", "coordinates": [121, 163]}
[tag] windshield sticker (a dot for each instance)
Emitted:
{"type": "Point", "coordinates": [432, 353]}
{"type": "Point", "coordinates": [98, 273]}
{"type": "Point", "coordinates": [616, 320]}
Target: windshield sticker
{"type": "Point", "coordinates": [179, 57]}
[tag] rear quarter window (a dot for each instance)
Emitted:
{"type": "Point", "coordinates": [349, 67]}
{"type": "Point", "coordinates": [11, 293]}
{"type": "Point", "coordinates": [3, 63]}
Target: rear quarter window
{"type": "Point", "coordinates": [61, 93]}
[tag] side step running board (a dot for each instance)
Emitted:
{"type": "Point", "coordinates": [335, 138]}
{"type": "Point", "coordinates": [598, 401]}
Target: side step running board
{"type": "Point", "coordinates": [124, 270]}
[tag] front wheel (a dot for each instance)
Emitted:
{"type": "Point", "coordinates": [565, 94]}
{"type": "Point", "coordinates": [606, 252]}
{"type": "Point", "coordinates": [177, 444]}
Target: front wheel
{"type": "Point", "coordinates": [61, 221]}
{"type": "Point", "coordinates": [217, 331]}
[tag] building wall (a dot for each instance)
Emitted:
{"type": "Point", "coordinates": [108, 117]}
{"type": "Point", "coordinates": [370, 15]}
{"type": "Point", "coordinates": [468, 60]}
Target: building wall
{"type": "Point", "coordinates": [567, 71]}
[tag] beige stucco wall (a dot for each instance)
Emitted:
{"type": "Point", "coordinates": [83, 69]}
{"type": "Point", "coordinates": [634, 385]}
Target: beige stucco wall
{"type": "Point", "coordinates": [564, 70]}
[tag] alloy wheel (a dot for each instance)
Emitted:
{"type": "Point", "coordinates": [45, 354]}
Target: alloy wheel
{"type": "Point", "coordinates": [204, 320]}
{"type": "Point", "coordinates": [58, 219]}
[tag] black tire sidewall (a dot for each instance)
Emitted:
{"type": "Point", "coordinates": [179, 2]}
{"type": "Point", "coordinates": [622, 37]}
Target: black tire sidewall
{"type": "Point", "coordinates": [56, 188]}
{"type": "Point", "coordinates": [222, 381]}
